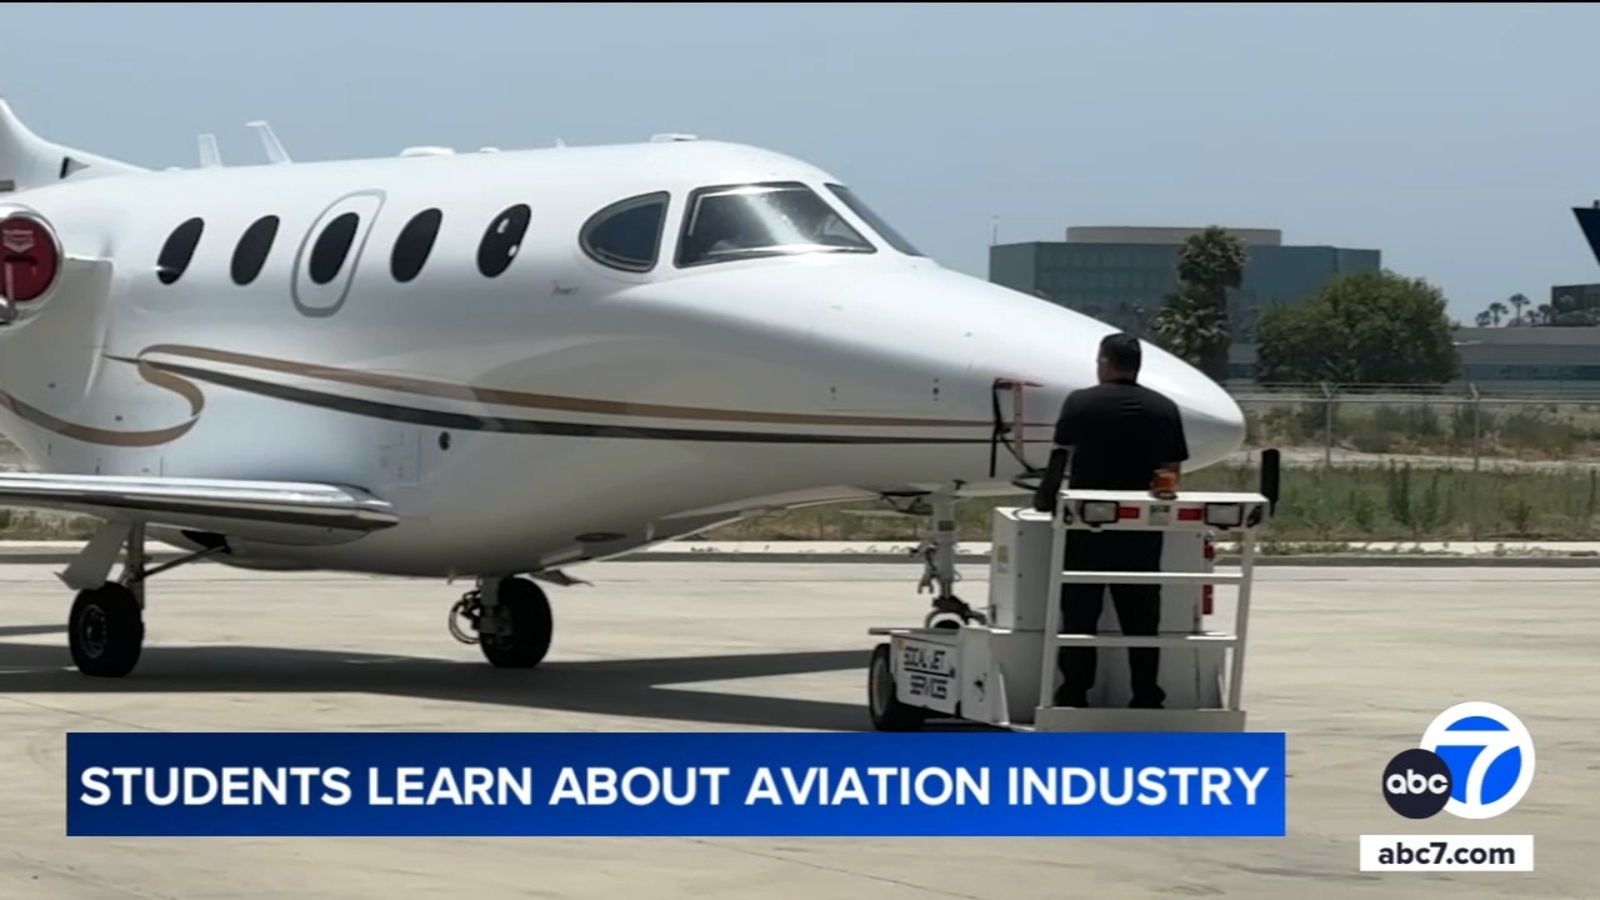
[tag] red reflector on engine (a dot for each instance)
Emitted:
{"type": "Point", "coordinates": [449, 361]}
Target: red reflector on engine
{"type": "Point", "coordinates": [1206, 595]}
{"type": "Point", "coordinates": [29, 260]}
{"type": "Point", "coordinates": [1191, 514]}
{"type": "Point", "coordinates": [1127, 512]}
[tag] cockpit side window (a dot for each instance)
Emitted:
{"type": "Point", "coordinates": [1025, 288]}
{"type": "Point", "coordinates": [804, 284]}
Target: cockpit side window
{"type": "Point", "coordinates": [734, 222]}
{"type": "Point", "coordinates": [874, 221]}
{"type": "Point", "coordinates": [627, 235]}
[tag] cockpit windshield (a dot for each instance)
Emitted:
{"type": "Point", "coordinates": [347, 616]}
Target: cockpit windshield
{"type": "Point", "coordinates": [747, 221]}
{"type": "Point", "coordinates": [873, 220]}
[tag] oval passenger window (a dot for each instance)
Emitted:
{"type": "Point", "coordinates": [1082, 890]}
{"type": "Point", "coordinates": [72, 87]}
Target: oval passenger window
{"type": "Point", "coordinates": [502, 240]}
{"type": "Point", "coordinates": [179, 249]}
{"type": "Point", "coordinates": [250, 256]}
{"type": "Point", "coordinates": [415, 242]}
{"type": "Point", "coordinates": [333, 247]}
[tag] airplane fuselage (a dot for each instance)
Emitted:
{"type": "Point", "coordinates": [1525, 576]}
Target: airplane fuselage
{"type": "Point", "coordinates": [524, 402]}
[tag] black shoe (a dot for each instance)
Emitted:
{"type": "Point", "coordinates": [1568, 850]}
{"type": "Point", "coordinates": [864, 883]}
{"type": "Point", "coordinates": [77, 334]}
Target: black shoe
{"type": "Point", "coordinates": [1142, 703]}
{"type": "Point", "coordinates": [1078, 699]}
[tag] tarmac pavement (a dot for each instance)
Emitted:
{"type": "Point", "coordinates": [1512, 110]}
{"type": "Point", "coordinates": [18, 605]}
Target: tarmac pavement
{"type": "Point", "coordinates": [1351, 662]}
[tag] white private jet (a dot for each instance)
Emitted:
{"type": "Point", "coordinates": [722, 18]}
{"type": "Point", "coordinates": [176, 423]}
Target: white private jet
{"type": "Point", "coordinates": [494, 364]}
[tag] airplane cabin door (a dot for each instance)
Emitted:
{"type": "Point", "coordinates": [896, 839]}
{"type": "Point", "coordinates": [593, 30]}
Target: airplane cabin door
{"type": "Point", "coordinates": [330, 253]}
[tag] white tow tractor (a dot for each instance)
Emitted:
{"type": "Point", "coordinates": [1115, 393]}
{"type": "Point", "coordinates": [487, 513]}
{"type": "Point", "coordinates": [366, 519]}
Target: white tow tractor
{"type": "Point", "coordinates": [1000, 668]}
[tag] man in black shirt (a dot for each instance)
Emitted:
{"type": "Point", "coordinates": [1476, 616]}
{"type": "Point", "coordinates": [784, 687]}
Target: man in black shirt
{"type": "Point", "coordinates": [1118, 435]}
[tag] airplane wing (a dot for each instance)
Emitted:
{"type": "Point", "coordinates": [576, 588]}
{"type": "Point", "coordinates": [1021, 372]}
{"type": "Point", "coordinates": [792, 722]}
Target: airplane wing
{"type": "Point", "coordinates": [270, 511]}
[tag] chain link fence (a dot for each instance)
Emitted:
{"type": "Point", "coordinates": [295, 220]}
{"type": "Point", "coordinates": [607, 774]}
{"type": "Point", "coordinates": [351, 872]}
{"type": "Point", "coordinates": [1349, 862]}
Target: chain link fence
{"type": "Point", "coordinates": [1377, 462]}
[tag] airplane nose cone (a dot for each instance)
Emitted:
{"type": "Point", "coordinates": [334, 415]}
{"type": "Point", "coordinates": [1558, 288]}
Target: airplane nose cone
{"type": "Point", "coordinates": [1034, 338]}
{"type": "Point", "coordinates": [1213, 422]}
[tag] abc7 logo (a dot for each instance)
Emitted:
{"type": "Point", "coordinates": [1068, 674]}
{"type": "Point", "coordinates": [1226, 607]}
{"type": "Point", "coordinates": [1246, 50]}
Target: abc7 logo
{"type": "Point", "coordinates": [1417, 784]}
{"type": "Point", "coordinates": [1420, 782]}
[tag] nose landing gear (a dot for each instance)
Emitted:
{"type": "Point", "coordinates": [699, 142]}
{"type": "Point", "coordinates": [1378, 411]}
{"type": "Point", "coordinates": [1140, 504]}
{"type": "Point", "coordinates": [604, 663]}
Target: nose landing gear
{"type": "Point", "coordinates": [939, 568]}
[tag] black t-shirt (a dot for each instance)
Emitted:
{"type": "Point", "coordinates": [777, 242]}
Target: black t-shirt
{"type": "Point", "coordinates": [1120, 434]}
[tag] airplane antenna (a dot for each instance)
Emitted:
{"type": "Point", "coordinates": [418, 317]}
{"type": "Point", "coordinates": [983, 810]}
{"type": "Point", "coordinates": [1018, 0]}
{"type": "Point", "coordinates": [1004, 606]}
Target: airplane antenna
{"type": "Point", "coordinates": [269, 141]}
{"type": "Point", "coordinates": [210, 156]}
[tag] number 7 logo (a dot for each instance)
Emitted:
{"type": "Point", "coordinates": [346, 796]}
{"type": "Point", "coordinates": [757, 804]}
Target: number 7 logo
{"type": "Point", "coordinates": [1490, 755]}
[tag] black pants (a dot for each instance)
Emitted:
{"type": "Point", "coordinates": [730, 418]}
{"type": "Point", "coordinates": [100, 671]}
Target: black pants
{"type": "Point", "coordinates": [1138, 611]}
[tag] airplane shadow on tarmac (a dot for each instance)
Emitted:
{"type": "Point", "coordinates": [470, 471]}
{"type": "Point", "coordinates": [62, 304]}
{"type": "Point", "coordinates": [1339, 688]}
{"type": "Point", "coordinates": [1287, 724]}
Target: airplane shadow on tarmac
{"type": "Point", "coordinates": [606, 687]}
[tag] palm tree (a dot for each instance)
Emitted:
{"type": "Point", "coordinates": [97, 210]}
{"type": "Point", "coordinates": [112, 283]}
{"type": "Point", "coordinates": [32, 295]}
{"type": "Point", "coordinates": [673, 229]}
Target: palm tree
{"type": "Point", "coordinates": [1191, 328]}
{"type": "Point", "coordinates": [1483, 319]}
{"type": "Point", "coordinates": [1213, 259]}
{"type": "Point", "coordinates": [1517, 302]}
{"type": "Point", "coordinates": [1194, 322]}
{"type": "Point", "coordinates": [1496, 310]}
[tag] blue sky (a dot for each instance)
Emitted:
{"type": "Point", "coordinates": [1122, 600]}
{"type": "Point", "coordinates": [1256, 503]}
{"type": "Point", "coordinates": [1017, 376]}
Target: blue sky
{"type": "Point", "coordinates": [1454, 138]}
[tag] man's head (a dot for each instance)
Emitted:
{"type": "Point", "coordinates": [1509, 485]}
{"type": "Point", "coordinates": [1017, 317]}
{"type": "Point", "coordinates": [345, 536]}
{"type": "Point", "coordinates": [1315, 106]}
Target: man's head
{"type": "Point", "coordinates": [1119, 357]}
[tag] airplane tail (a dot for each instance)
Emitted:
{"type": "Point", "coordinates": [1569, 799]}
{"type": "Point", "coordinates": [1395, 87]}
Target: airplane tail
{"type": "Point", "coordinates": [1589, 221]}
{"type": "Point", "coordinates": [28, 161]}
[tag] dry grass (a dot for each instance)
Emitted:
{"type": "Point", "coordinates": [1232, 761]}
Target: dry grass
{"type": "Point", "coordinates": [1390, 503]}
{"type": "Point", "coordinates": [1427, 502]}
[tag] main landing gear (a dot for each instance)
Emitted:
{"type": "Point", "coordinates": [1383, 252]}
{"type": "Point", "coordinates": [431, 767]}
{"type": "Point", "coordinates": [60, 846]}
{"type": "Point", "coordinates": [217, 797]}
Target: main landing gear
{"type": "Point", "coordinates": [105, 630]}
{"type": "Point", "coordinates": [508, 618]}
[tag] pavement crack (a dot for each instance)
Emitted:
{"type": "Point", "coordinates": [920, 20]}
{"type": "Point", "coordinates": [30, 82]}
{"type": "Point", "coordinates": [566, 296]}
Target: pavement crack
{"type": "Point", "coordinates": [777, 857]}
{"type": "Point", "coordinates": [83, 715]}
{"type": "Point", "coordinates": [73, 873]}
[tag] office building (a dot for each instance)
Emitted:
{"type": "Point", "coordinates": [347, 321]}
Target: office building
{"type": "Point", "coordinates": [1122, 275]}
{"type": "Point", "coordinates": [1525, 356]}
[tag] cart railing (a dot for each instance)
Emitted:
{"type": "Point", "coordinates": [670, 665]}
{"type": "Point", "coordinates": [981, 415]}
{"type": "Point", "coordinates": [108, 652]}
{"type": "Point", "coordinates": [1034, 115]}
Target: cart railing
{"type": "Point", "coordinates": [1241, 514]}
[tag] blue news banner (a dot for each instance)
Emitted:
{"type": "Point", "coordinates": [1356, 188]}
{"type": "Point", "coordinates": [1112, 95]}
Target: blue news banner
{"type": "Point", "coordinates": [676, 784]}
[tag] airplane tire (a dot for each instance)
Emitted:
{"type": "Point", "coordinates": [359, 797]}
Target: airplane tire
{"type": "Point", "coordinates": [531, 627]}
{"type": "Point", "coordinates": [888, 713]}
{"type": "Point", "coordinates": [105, 631]}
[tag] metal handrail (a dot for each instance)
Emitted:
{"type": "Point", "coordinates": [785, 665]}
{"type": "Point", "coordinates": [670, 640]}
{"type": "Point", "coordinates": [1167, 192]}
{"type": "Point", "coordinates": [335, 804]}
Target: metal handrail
{"type": "Point", "coordinates": [1233, 643]}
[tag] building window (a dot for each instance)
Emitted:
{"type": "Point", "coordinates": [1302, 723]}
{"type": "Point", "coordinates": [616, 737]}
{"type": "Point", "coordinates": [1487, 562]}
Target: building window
{"type": "Point", "coordinates": [627, 235]}
{"type": "Point", "coordinates": [415, 242]}
{"type": "Point", "coordinates": [178, 251]}
{"type": "Point", "coordinates": [502, 239]}
{"type": "Point", "coordinates": [250, 256]}
{"type": "Point", "coordinates": [333, 247]}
